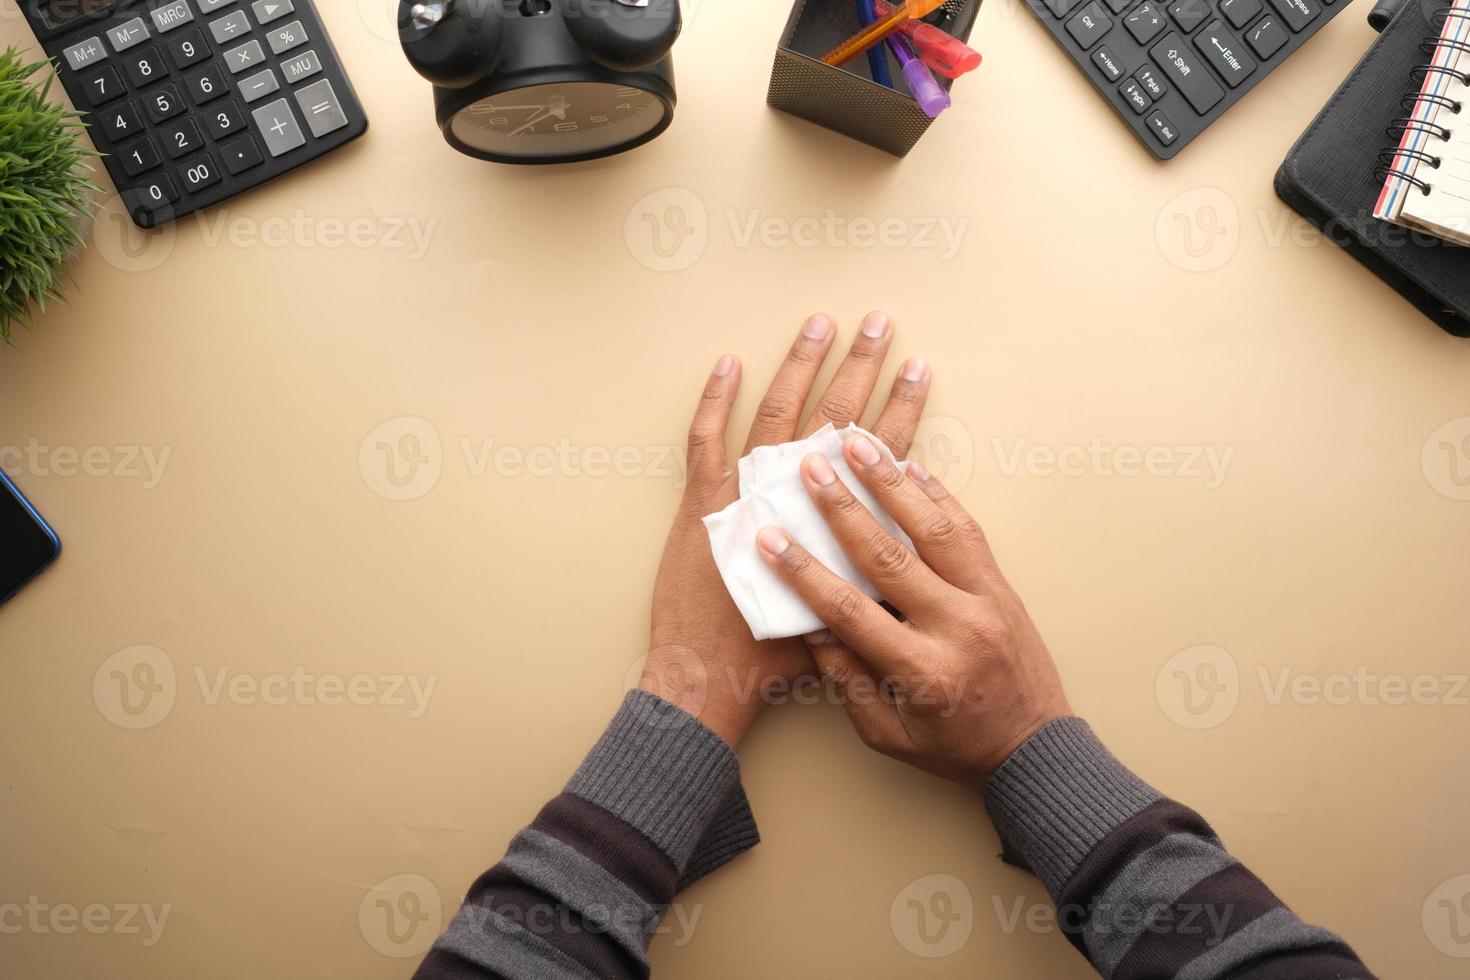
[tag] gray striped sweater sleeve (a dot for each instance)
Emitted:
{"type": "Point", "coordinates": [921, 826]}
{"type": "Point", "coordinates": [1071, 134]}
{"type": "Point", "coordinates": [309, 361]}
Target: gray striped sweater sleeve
{"type": "Point", "coordinates": [1143, 886]}
{"type": "Point", "coordinates": [580, 892]}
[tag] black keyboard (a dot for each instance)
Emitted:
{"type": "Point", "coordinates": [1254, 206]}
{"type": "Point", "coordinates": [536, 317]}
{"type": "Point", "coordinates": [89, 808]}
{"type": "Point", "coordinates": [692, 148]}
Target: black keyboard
{"type": "Point", "coordinates": [194, 101]}
{"type": "Point", "coordinates": [1170, 68]}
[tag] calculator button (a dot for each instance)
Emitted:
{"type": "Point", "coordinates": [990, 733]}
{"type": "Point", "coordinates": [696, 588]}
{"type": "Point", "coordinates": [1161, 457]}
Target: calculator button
{"type": "Point", "coordinates": [1062, 7]}
{"type": "Point", "coordinates": [241, 154]}
{"type": "Point", "coordinates": [301, 67]}
{"type": "Point", "coordinates": [1145, 23]}
{"type": "Point", "coordinates": [1187, 73]}
{"type": "Point", "coordinates": [1267, 37]}
{"type": "Point", "coordinates": [1153, 86]}
{"type": "Point", "coordinates": [225, 119]}
{"type": "Point", "coordinates": [226, 29]}
{"type": "Point", "coordinates": [157, 192]}
{"type": "Point", "coordinates": [188, 48]}
{"type": "Point", "coordinates": [1297, 13]}
{"type": "Point", "coordinates": [181, 140]}
{"type": "Point", "coordinates": [258, 86]}
{"type": "Point", "coordinates": [210, 6]}
{"type": "Point", "coordinates": [199, 173]}
{"type": "Point", "coordinates": [164, 103]}
{"type": "Point", "coordinates": [146, 67]}
{"type": "Point", "coordinates": [103, 86]}
{"type": "Point", "coordinates": [279, 127]}
{"type": "Point", "coordinates": [1108, 63]}
{"type": "Point", "coordinates": [1239, 12]}
{"type": "Point", "coordinates": [1223, 51]}
{"type": "Point", "coordinates": [269, 10]}
{"type": "Point", "coordinates": [321, 108]}
{"type": "Point", "coordinates": [283, 39]}
{"type": "Point", "coordinates": [1134, 95]}
{"type": "Point", "coordinates": [139, 157]}
{"type": "Point", "coordinates": [124, 36]}
{"type": "Point", "coordinates": [85, 53]}
{"type": "Point", "coordinates": [1189, 14]}
{"type": "Point", "coordinates": [172, 15]}
{"type": "Point", "coordinates": [1162, 128]}
{"type": "Point", "coordinates": [247, 55]}
{"type": "Point", "coordinates": [207, 85]}
{"type": "Point", "coordinates": [121, 121]}
{"type": "Point", "coordinates": [1088, 27]}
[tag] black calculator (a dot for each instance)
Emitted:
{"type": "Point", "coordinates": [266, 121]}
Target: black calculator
{"type": "Point", "coordinates": [194, 101]}
{"type": "Point", "coordinates": [1170, 68]}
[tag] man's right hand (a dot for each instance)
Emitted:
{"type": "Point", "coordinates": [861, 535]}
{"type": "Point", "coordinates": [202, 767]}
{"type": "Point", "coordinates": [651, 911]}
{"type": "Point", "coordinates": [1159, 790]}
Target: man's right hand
{"type": "Point", "coordinates": [964, 679]}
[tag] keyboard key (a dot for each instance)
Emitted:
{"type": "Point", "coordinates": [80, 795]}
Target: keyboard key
{"type": "Point", "coordinates": [225, 119]}
{"type": "Point", "coordinates": [188, 48]}
{"type": "Point", "coordinates": [171, 15]}
{"type": "Point", "coordinates": [207, 85]}
{"type": "Point", "coordinates": [124, 36]}
{"type": "Point", "coordinates": [120, 122]}
{"type": "Point", "coordinates": [279, 127]}
{"type": "Point", "coordinates": [241, 154]}
{"type": "Point", "coordinates": [1109, 64]}
{"type": "Point", "coordinates": [1223, 51]}
{"type": "Point", "coordinates": [199, 173]}
{"type": "Point", "coordinates": [85, 53]}
{"type": "Point", "coordinates": [323, 112]}
{"type": "Point", "coordinates": [247, 55]}
{"type": "Point", "coordinates": [210, 6]}
{"type": "Point", "coordinates": [283, 39]}
{"type": "Point", "coordinates": [1145, 23]}
{"type": "Point", "coordinates": [1267, 37]}
{"type": "Point", "coordinates": [226, 29]}
{"type": "Point", "coordinates": [139, 157]}
{"type": "Point", "coordinates": [182, 139]}
{"type": "Point", "coordinates": [145, 67]}
{"type": "Point", "coordinates": [1153, 86]}
{"type": "Point", "coordinates": [1187, 73]}
{"type": "Point", "coordinates": [1088, 27]}
{"type": "Point", "coordinates": [164, 103]}
{"type": "Point", "coordinates": [1161, 127]}
{"type": "Point", "coordinates": [1297, 13]}
{"type": "Point", "coordinates": [301, 67]}
{"type": "Point", "coordinates": [1239, 12]}
{"type": "Point", "coordinates": [259, 85]}
{"type": "Point", "coordinates": [269, 10]}
{"type": "Point", "coordinates": [1134, 95]}
{"type": "Point", "coordinates": [1118, 6]}
{"type": "Point", "coordinates": [103, 86]}
{"type": "Point", "coordinates": [1189, 14]}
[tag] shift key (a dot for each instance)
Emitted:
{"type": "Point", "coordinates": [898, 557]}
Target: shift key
{"type": "Point", "coordinates": [1189, 73]}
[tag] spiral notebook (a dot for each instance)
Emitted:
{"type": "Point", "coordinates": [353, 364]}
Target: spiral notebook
{"type": "Point", "coordinates": [1427, 176]}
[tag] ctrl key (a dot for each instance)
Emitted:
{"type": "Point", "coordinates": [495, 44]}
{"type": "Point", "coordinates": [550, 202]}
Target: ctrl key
{"type": "Point", "coordinates": [1163, 129]}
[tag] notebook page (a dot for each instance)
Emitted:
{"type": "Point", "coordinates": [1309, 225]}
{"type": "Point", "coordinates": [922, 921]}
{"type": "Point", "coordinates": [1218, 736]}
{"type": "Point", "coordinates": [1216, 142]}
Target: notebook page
{"type": "Point", "coordinates": [1445, 210]}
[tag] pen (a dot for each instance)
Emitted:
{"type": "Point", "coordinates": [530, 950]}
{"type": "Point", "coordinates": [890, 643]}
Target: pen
{"type": "Point", "coordinates": [930, 95]}
{"type": "Point", "coordinates": [879, 29]}
{"type": "Point", "coordinates": [877, 60]}
{"type": "Point", "coordinates": [945, 53]}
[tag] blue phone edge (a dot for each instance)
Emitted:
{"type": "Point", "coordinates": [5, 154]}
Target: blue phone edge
{"type": "Point", "coordinates": [41, 522]}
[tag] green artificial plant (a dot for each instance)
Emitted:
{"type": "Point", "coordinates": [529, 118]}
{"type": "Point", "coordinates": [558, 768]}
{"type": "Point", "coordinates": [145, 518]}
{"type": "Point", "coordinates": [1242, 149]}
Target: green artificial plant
{"type": "Point", "coordinates": [45, 191]}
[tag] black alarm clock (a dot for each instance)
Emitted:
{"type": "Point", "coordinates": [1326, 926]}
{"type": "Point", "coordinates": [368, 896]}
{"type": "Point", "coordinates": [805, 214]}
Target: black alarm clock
{"type": "Point", "coordinates": [545, 81]}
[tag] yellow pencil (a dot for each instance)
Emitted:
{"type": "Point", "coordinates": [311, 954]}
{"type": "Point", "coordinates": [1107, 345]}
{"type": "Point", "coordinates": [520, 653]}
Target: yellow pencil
{"type": "Point", "coordinates": [875, 32]}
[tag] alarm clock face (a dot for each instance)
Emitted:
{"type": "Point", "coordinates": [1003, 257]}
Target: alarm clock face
{"type": "Point", "coordinates": [559, 120]}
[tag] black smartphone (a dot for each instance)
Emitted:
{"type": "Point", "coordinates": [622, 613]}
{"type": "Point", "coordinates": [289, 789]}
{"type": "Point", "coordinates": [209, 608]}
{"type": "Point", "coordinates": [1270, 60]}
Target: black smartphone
{"type": "Point", "coordinates": [27, 543]}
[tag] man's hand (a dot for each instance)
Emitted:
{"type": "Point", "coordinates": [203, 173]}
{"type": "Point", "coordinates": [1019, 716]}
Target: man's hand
{"type": "Point", "coordinates": [702, 656]}
{"type": "Point", "coordinates": [957, 685]}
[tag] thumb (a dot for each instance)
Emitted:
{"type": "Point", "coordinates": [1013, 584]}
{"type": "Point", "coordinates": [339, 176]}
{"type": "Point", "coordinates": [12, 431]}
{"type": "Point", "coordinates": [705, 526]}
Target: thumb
{"type": "Point", "coordinates": [876, 720]}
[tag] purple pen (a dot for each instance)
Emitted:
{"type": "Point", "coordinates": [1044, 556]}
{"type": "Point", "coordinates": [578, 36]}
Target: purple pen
{"type": "Point", "coordinates": [932, 98]}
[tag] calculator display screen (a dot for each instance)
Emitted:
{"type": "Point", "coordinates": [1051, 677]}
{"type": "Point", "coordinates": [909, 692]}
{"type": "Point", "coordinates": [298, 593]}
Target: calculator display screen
{"type": "Point", "coordinates": [59, 13]}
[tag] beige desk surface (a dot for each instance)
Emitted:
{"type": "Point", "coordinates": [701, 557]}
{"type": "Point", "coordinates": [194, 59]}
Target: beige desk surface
{"type": "Point", "coordinates": [261, 348]}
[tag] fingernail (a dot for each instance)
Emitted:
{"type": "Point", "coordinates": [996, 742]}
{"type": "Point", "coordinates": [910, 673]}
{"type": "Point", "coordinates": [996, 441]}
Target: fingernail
{"type": "Point", "coordinates": [914, 369]}
{"type": "Point", "coordinates": [875, 325]}
{"type": "Point", "coordinates": [819, 638]}
{"type": "Point", "coordinates": [863, 450]}
{"type": "Point", "coordinates": [772, 540]}
{"type": "Point", "coordinates": [818, 327]}
{"type": "Point", "coordinates": [820, 470]}
{"type": "Point", "coordinates": [917, 471]}
{"type": "Point", "coordinates": [724, 365]}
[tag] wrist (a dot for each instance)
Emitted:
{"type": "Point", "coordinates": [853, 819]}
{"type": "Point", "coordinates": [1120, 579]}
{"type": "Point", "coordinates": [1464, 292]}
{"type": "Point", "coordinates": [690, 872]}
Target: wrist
{"type": "Point", "coordinates": [680, 677]}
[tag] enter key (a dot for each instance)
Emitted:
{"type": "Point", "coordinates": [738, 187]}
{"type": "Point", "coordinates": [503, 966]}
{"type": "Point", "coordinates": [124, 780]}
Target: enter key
{"type": "Point", "coordinates": [1225, 53]}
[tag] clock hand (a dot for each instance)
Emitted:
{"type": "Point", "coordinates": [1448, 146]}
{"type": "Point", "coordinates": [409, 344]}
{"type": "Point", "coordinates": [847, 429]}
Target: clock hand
{"type": "Point", "coordinates": [545, 111]}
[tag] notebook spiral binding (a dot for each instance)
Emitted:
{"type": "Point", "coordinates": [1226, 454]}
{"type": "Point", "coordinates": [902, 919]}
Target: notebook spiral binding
{"type": "Point", "coordinates": [1389, 160]}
